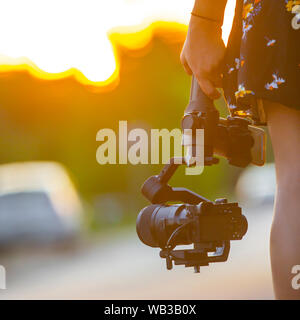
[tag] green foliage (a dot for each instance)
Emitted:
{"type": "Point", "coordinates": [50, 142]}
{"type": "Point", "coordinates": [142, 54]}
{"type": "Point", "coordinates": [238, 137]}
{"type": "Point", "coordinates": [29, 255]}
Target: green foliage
{"type": "Point", "coordinates": [58, 120]}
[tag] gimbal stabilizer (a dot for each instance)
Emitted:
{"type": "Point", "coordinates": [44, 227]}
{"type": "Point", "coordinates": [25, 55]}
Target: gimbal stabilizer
{"type": "Point", "coordinates": [208, 225]}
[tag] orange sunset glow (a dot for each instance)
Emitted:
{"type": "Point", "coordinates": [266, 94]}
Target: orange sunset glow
{"type": "Point", "coordinates": [55, 39]}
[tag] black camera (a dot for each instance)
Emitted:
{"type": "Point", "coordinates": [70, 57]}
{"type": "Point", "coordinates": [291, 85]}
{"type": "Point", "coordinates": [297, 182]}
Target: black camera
{"type": "Point", "coordinates": [209, 226]}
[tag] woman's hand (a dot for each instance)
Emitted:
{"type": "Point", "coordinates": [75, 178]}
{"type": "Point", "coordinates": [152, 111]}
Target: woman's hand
{"type": "Point", "coordinates": [203, 53]}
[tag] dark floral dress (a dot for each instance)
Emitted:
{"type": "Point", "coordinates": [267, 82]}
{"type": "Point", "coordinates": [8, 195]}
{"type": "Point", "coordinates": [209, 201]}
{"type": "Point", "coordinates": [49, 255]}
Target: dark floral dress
{"type": "Point", "coordinates": [263, 55]}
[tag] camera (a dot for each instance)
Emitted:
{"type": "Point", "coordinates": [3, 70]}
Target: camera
{"type": "Point", "coordinates": [209, 226]}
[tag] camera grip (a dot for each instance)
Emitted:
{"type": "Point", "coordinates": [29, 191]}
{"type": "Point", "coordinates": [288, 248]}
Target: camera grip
{"type": "Point", "coordinates": [199, 101]}
{"type": "Point", "coordinates": [200, 114]}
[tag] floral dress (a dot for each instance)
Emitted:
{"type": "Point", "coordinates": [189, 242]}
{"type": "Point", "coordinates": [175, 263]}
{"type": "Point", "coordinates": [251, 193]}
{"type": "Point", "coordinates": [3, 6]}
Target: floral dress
{"type": "Point", "coordinates": [263, 55]}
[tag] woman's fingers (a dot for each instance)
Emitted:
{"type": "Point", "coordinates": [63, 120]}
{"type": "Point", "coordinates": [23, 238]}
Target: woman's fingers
{"type": "Point", "coordinates": [217, 81]}
{"type": "Point", "coordinates": [208, 74]}
{"type": "Point", "coordinates": [208, 83]}
{"type": "Point", "coordinates": [186, 67]}
{"type": "Point", "coordinates": [208, 87]}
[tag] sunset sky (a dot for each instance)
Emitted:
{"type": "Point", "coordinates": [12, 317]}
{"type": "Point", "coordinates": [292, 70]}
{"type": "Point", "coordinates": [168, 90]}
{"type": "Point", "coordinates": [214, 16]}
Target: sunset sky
{"type": "Point", "coordinates": [58, 35]}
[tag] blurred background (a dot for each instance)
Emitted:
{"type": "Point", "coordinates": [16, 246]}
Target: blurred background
{"type": "Point", "coordinates": [67, 224]}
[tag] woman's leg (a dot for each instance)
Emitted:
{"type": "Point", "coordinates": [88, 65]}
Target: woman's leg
{"type": "Point", "coordinates": [284, 127]}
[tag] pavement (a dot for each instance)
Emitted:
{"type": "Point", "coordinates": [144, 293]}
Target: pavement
{"type": "Point", "coordinates": [119, 266]}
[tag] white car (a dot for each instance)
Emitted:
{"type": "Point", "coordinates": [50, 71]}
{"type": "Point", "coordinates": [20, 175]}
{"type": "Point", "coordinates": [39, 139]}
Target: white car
{"type": "Point", "coordinates": [38, 204]}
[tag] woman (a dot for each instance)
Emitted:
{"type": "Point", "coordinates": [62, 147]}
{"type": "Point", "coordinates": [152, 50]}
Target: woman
{"type": "Point", "coordinates": [261, 64]}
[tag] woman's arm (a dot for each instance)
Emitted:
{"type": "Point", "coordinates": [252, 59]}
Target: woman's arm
{"type": "Point", "coordinates": [203, 50]}
{"type": "Point", "coordinates": [210, 9]}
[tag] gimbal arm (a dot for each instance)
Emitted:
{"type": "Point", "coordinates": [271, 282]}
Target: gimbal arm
{"type": "Point", "coordinates": [157, 190]}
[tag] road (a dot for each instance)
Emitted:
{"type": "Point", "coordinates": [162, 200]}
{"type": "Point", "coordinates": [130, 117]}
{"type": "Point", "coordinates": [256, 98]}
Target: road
{"type": "Point", "coordinates": [120, 267]}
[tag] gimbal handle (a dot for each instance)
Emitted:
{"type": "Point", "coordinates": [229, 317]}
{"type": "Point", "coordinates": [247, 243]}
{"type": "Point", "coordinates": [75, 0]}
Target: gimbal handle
{"type": "Point", "coordinates": [199, 101]}
{"type": "Point", "coordinates": [200, 114]}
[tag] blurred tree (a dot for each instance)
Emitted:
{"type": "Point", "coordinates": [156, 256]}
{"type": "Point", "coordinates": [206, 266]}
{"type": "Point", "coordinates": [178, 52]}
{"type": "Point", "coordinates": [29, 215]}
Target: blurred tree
{"type": "Point", "coordinates": [58, 120]}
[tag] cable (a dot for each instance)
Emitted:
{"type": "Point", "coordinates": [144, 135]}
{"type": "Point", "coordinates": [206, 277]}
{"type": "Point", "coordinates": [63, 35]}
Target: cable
{"type": "Point", "coordinates": [175, 232]}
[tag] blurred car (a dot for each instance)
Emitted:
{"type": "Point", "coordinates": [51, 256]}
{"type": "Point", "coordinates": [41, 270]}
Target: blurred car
{"type": "Point", "coordinates": [38, 204]}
